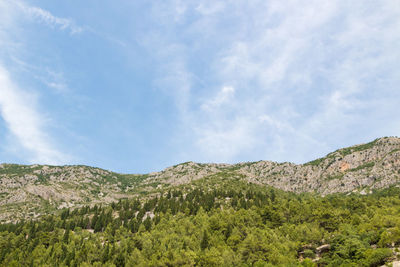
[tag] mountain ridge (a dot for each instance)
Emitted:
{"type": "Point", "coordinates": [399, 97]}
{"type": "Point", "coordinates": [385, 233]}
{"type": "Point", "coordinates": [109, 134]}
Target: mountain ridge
{"type": "Point", "coordinates": [32, 190]}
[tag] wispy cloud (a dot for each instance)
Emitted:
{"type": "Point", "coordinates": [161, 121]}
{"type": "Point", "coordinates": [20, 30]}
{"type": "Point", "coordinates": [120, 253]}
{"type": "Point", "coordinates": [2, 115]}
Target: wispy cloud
{"type": "Point", "coordinates": [27, 125]}
{"type": "Point", "coordinates": [25, 122]}
{"type": "Point", "coordinates": [222, 97]}
{"type": "Point", "coordinates": [49, 19]}
{"type": "Point", "coordinates": [304, 74]}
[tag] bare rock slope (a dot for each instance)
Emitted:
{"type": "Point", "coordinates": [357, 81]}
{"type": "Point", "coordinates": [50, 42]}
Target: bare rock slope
{"type": "Point", "coordinates": [367, 166]}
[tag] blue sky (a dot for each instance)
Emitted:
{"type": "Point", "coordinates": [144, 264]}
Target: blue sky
{"type": "Point", "coordinates": [136, 86]}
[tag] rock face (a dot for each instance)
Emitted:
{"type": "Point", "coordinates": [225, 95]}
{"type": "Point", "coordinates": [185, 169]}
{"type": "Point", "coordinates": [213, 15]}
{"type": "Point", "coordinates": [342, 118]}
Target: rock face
{"type": "Point", "coordinates": [28, 191]}
{"type": "Point", "coordinates": [373, 165]}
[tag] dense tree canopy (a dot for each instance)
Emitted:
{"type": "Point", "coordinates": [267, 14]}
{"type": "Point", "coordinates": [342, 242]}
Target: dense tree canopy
{"type": "Point", "coordinates": [226, 226]}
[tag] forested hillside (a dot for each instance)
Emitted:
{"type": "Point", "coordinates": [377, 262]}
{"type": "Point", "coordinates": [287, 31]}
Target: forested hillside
{"type": "Point", "coordinates": [203, 224]}
{"type": "Point", "coordinates": [339, 210]}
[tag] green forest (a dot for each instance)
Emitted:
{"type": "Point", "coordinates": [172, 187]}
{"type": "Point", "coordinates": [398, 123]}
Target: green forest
{"type": "Point", "coordinates": [236, 225]}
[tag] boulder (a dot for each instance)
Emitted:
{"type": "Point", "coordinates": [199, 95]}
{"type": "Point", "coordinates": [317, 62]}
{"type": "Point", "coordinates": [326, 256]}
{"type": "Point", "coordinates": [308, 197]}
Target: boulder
{"type": "Point", "coordinates": [323, 248]}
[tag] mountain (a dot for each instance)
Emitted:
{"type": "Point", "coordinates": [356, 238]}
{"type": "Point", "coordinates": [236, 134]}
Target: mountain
{"type": "Point", "coordinates": [30, 191]}
{"type": "Point", "coordinates": [339, 210]}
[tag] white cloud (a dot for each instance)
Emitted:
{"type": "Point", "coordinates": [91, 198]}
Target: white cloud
{"type": "Point", "coordinates": [210, 7]}
{"type": "Point", "coordinates": [54, 80]}
{"type": "Point", "coordinates": [48, 18]}
{"type": "Point", "coordinates": [28, 133]}
{"type": "Point", "coordinates": [307, 76]}
{"type": "Point", "coordinates": [220, 140]}
{"type": "Point", "coordinates": [26, 123]}
{"type": "Point", "coordinates": [223, 97]}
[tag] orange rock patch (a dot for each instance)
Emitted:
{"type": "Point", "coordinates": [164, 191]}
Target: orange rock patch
{"type": "Point", "coordinates": [344, 166]}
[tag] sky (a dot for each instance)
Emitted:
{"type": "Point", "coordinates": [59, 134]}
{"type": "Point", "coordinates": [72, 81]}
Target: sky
{"type": "Point", "coordinates": [137, 86]}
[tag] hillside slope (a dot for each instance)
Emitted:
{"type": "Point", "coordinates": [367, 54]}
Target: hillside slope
{"type": "Point", "coordinates": [367, 166]}
{"type": "Point", "coordinates": [231, 223]}
{"type": "Point", "coordinates": [29, 191]}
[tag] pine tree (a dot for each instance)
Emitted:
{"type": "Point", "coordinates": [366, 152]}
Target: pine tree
{"type": "Point", "coordinates": [98, 227]}
{"type": "Point", "coordinates": [228, 231]}
{"type": "Point", "coordinates": [204, 241]}
{"type": "Point", "coordinates": [147, 224]}
{"type": "Point", "coordinates": [105, 256]}
{"type": "Point", "coordinates": [66, 235]}
{"type": "Point", "coordinates": [120, 260]}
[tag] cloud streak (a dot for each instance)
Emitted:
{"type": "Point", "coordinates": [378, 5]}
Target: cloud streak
{"type": "Point", "coordinates": [49, 19]}
{"type": "Point", "coordinates": [27, 126]}
{"type": "Point", "coordinates": [26, 123]}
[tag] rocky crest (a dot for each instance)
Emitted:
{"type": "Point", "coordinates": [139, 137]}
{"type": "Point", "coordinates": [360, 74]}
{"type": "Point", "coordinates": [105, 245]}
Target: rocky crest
{"type": "Point", "coordinates": [29, 191]}
{"type": "Point", "coordinates": [367, 166]}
